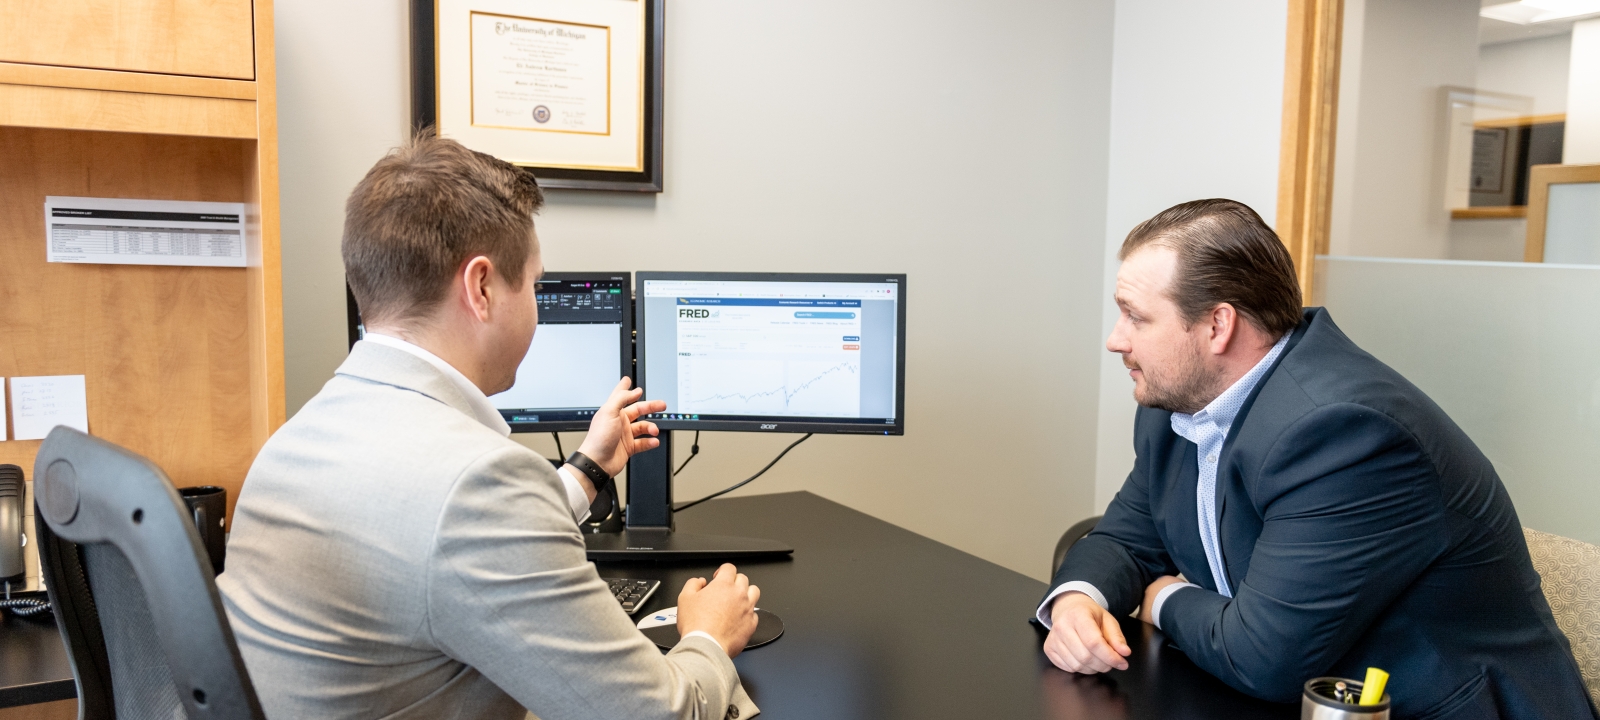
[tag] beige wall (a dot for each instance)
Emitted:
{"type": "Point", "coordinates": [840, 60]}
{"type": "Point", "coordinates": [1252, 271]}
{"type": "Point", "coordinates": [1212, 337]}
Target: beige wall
{"type": "Point", "coordinates": [961, 143]}
{"type": "Point", "coordinates": [1197, 101]}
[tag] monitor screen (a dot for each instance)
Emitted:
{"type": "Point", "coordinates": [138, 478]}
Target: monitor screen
{"type": "Point", "coordinates": [774, 352]}
{"type": "Point", "coordinates": [582, 347]}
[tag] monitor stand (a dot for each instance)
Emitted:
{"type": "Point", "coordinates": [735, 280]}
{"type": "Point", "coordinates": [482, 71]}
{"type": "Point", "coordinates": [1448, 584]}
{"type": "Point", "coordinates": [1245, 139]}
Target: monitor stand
{"type": "Point", "coordinates": [649, 533]}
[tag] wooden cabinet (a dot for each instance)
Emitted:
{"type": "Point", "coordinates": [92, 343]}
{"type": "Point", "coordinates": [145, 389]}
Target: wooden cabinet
{"type": "Point", "coordinates": [182, 364]}
{"type": "Point", "coordinates": [205, 38]}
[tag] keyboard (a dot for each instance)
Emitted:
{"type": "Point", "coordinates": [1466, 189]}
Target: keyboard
{"type": "Point", "coordinates": [632, 593]}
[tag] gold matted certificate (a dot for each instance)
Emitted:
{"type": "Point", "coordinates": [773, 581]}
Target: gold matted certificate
{"type": "Point", "coordinates": [568, 87]}
{"type": "Point", "coordinates": [531, 74]}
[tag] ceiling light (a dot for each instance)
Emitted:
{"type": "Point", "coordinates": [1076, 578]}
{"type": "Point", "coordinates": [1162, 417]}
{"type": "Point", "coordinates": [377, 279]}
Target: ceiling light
{"type": "Point", "coordinates": [1529, 12]}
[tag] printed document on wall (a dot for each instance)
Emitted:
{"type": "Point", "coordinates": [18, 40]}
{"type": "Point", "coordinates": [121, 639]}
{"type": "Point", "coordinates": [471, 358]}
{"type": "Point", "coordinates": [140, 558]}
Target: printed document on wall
{"type": "Point", "coordinates": [39, 404]}
{"type": "Point", "coordinates": [114, 231]}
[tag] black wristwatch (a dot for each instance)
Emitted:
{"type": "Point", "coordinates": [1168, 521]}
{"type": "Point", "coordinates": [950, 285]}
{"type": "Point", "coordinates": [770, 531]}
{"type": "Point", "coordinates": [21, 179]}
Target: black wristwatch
{"type": "Point", "coordinates": [590, 468]}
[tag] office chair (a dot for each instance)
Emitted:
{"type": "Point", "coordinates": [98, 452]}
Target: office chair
{"type": "Point", "coordinates": [132, 588]}
{"type": "Point", "coordinates": [1071, 537]}
{"type": "Point", "coordinates": [1570, 571]}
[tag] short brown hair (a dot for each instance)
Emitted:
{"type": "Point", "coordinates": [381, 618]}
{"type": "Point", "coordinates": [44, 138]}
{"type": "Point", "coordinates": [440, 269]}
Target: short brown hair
{"type": "Point", "coordinates": [422, 211]}
{"type": "Point", "coordinates": [1226, 254]}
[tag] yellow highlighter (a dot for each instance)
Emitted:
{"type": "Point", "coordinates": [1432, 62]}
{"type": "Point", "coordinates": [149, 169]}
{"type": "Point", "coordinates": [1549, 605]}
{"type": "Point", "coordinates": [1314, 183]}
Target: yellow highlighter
{"type": "Point", "coordinates": [1372, 689]}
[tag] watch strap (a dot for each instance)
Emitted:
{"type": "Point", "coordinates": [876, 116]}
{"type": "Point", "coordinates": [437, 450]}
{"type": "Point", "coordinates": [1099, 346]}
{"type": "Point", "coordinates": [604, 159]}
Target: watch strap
{"type": "Point", "coordinates": [590, 468]}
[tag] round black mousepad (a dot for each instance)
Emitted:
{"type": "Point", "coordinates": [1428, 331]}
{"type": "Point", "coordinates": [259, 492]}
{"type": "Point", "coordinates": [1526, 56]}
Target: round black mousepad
{"type": "Point", "coordinates": [768, 628]}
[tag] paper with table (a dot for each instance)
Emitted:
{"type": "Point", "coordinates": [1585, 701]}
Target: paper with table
{"type": "Point", "coordinates": [39, 404]}
{"type": "Point", "coordinates": [116, 231]}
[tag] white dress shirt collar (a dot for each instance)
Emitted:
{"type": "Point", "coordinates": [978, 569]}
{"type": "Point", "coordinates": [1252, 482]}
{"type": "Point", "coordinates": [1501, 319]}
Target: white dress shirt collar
{"type": "Point", "coordinates": [482, 410]}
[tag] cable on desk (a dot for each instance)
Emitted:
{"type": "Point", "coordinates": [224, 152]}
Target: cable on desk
{"type": "Point", "coordinates": [23, 606]}
{"type": "Point", "coordinates": [559, 453]}
{"type": "Point", "coordinates": [693, 451]}
{"type": "Point", "coordinates": [744, 482]}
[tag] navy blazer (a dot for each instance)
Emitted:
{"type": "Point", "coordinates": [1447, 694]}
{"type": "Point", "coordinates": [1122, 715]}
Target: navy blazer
{"type": "Point", "coordinates": [1359, 527]}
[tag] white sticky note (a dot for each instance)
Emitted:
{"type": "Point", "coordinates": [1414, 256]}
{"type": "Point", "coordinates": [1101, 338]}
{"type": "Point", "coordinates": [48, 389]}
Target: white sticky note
{"type": "Point", "coordinates": [39, 404]}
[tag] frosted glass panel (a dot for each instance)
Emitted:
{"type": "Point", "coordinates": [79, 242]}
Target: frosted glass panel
{"type": "Point", "coordinates": [1510, 350]}
{"type": "Point", "coordinates": [1572, 224]}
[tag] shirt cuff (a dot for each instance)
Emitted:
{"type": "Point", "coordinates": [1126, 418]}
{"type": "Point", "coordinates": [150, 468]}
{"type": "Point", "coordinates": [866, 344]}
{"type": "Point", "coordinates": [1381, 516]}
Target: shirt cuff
{"type": "Point", "coordinates": [1043, 613]}
{"type": "Point", "coordinates": [1161, 599]}
{"type": "Point", "coordinates": [576, 497]}
{"type": "Point", "coordinates": [706, 635]}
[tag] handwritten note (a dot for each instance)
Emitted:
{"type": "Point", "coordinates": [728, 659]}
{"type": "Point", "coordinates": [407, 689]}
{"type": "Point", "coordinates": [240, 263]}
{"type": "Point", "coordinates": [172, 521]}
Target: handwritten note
{"type": "Point", "coordinates": [38, 404]}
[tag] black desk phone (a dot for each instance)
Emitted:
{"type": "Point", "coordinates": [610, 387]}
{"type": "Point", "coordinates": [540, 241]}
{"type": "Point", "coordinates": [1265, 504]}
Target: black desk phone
{"type": "Point", "coordinates": [13, 493]}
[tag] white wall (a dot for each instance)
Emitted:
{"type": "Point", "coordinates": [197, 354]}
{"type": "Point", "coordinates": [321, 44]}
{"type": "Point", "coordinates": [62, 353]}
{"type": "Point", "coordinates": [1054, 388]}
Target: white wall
{"type": "Point", "coordinates": [1535, 68]}
{"type": "Point", "coordinates": [1389, 170]}
{"type": "Point", "coordinates": [961, 143]}
{"type": "Point", "coordinates": [1582, 142]}
{"type": "Point", "coordinates": [1196, 112]}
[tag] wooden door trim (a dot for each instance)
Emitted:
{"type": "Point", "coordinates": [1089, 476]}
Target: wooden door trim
{"type": "Point", "coordinates": [1310, 125]}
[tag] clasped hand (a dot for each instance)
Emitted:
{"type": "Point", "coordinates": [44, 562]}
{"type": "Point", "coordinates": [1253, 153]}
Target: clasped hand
{"type": "Point", "coordinates": [1085, 638]}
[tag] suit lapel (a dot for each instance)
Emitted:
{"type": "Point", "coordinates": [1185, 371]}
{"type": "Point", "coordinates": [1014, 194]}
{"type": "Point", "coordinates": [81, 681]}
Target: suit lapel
{"type": "Point", "coordinates": [1230, 478]}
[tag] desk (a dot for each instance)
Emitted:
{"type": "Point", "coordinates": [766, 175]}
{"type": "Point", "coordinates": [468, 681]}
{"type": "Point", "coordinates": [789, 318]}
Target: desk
{"type": "Point", "coordinates": [880, 623]}
{"type": "Point", "coordinates": [33, 662]}
{"type": "Point", "coordinates": [883, 623]}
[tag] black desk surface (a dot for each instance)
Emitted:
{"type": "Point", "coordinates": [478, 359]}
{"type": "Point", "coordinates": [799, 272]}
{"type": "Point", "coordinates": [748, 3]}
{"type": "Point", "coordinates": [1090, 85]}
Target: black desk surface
{"type": "Point", "coordinates": [33, 662]}
{"type": "Point", "coordinates": [879, 623]}
{"type": "Point", "coordinates": [883, 623]}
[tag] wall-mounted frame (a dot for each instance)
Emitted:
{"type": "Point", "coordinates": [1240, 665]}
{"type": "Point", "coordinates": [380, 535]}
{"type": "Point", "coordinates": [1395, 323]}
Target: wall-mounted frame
{"type": "Point", "coordinates": [1576, 221]}
{"type": "Point", "coordinates": [572, 91]}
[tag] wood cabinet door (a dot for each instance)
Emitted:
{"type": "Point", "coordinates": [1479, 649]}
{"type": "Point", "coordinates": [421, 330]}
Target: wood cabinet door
{"type": "Point", "coordinates": [208, 38]}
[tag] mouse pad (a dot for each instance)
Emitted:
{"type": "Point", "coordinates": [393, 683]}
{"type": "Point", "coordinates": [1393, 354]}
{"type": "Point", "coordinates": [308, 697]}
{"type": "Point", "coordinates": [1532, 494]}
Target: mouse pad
{"type": "Point", "coordinates": [661, 627]}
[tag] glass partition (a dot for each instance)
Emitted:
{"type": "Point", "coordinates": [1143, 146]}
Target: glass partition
{"type": "Point", "coordinates": [1510, 350]}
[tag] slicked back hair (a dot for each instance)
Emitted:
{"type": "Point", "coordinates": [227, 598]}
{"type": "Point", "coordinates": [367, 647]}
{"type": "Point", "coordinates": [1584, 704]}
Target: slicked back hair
{"type": "Point", "coordinates": [1226, 254]}
{"type": "Point", "coordinates": [421, 212]}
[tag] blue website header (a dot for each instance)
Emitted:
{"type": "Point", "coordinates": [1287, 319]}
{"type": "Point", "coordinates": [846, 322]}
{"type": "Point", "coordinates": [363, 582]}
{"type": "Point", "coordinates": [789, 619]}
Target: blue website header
{"type": "Point", "coordinates": [771, 302]}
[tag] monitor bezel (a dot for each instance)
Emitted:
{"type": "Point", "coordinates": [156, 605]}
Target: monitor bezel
{"type": "Point", "coordinates": [625, 352]}
{"type": "Point", "coordinates": [778, 424]}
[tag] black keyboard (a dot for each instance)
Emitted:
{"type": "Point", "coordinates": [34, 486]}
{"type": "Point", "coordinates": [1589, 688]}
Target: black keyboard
{"type": "Point", "coordinates": [632, 593]}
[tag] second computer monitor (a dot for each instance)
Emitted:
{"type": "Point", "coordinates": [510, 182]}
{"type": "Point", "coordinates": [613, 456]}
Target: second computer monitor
{"type": "Point", "coordinates": [582, 347]}
{"type": "Point", "coordinates": [773, 352]}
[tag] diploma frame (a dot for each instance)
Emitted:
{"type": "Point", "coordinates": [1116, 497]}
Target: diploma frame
{"type": "Point", "coordinates": [425, 100]}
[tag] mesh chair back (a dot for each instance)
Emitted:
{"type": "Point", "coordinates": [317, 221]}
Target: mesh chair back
{"type": "Point", "coordinates": [132, 588]}
{"type": "Point", "coordinates": [1570, 574]}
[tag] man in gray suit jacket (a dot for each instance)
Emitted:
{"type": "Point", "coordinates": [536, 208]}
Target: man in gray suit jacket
{"type": "Point", "coordinates": [394, 554]}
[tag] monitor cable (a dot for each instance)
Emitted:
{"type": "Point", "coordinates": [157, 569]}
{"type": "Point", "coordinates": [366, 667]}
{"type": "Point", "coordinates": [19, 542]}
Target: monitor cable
{"type": "Point", "coordinates": [559, 453]}
{"type": "Point", "coordinates": [744, 482]}
{"type": "Point", "coordinates": [693, 451]}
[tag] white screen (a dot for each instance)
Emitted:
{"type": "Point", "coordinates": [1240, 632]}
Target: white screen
{"type": "Point", "coordinates": [568, 366]}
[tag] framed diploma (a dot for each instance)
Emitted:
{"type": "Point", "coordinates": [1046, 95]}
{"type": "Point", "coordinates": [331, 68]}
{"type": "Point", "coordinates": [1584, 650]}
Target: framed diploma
{"type": "Point", "coordinates": [568, 88]}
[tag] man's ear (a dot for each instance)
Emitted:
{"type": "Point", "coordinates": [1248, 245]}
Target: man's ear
{"type": "Point", "coordinates": [476, 274]}
{"type": "Point", "coordinates": [1224, 328]}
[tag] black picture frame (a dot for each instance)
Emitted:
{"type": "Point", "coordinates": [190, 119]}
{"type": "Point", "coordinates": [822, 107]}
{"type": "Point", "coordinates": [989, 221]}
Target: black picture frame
{"type": "Point", "coordinates": [424, 103]}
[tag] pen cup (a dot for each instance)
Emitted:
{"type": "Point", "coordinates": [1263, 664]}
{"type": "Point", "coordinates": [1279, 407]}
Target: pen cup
{"type": "Point", "coordinates": [1318, 702]}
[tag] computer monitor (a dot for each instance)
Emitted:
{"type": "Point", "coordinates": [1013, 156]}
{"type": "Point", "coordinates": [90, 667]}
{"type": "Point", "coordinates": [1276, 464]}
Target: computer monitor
{"type": "Point", "coordinates": [582, 347]}
{"type": "Point", "coordinates": [760, 352]}
{"type": "Point", "coordinates": [773, 352]}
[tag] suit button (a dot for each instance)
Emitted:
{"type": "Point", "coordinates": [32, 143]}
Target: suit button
{"type": "Point", "coordinates": [733, 713]}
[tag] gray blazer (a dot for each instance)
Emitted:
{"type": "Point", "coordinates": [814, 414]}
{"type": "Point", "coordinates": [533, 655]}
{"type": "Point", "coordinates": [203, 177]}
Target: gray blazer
{"type": "Point", "coordinates": [393, 558]}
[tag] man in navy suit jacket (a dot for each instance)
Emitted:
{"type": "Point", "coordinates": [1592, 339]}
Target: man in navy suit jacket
{"type": "Point", "coordinates": [1324, 514]}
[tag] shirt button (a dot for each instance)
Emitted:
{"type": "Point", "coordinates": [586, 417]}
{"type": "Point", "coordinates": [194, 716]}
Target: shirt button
{"type": "Point", "coordinates": [1211, 458]}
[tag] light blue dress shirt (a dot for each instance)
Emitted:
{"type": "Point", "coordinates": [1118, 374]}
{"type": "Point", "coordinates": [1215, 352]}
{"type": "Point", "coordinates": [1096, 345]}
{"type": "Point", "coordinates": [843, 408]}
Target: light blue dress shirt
{"type": "Point", "coordinates": [1208, 430]}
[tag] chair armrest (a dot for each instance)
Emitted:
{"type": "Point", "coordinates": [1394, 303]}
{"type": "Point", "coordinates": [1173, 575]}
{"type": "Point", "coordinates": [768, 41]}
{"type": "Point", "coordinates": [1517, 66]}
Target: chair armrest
{"type": "Point", "coordinates": [1070, 538]}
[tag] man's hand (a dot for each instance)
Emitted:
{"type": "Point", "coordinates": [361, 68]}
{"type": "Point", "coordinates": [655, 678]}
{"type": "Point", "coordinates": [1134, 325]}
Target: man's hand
{"type": "Point", "coordinates": [1146, 609]}
{"type": "Point", "coordinates": [1084, 638]}
{"type": "Point", "coordinates": [724, 608]}
{"type": "Point", "coordinates": [612, 431]}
